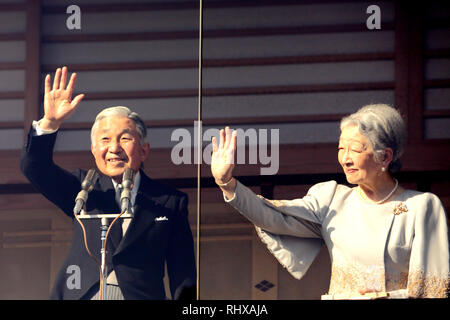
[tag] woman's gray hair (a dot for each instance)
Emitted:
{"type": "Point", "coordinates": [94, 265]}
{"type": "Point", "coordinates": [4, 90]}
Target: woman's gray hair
{"type": "Point", "coordinates": [117, 112]}
{"type": "Point", "coordinates": [384, 127]}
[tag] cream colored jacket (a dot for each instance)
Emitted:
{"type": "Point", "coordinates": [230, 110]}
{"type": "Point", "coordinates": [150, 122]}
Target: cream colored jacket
{"type": "Point", "coordinates": [399, 247]}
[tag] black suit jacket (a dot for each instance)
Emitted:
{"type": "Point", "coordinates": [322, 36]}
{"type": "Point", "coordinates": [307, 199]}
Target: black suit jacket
{"type": "Point", "coordinates": [139, 258]}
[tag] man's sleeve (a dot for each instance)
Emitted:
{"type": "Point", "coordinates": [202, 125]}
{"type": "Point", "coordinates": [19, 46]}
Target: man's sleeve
{"type": "Point", "coordinates": [56, 184]}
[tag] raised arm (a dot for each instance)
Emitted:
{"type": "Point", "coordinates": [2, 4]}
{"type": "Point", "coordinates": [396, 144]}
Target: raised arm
{"type": "Point", "coordinates": [222, 161]}
{"type": "Point", "coordinates": [55, 183]}
{"type": "Point", "coordinates": [300, 217]}
{"type": "Point", "coordinates": [58, 102]}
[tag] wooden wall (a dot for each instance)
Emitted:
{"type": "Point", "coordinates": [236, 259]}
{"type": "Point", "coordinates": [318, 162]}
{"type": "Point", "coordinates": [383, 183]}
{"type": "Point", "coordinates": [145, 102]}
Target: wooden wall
{"type": "Point", "coordinates": [296, 66]}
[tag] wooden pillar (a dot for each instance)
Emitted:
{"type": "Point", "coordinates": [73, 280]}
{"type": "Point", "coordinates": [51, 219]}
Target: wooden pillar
{"type": "Point", "coordinates": [409, 73]}
{"type": "Point", "coordinates": [61, 234]}
{"type": "Point", "coordinates": [264, 272]}
{"type": "Point", "coordinates": [416, 69]}
{"type": "Point", "coordinates": [264, 265]}
{"type": "Point", "coordinates": [32, 62]}
{"type": "Point", "coordinates": [401, 58]}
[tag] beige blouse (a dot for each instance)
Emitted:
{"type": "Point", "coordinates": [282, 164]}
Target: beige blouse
{"type": "Point", "coordinates": [399, 247]}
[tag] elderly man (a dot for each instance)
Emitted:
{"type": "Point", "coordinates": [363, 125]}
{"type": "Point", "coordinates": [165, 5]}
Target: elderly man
{"type": "Point", "coordinates": [138, 249]}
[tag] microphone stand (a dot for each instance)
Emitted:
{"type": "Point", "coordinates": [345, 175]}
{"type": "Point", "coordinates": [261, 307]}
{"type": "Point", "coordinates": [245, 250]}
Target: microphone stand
{"type": "Point", "coordinates": [125, 199]}
{"type": "Point", "coordinates": [104, 229]}
{"type": "Point", "coordinates": [104, 267]}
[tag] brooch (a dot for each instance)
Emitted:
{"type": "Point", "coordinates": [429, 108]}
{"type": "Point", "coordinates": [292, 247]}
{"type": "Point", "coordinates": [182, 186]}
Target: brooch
{"type": "Point", "coordinates": [400, 208]}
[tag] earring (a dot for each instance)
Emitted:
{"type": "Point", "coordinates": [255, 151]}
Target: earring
{"type": "Point", "coordinates": [383, 169]}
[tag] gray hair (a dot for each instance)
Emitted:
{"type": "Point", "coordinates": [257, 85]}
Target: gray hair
{"type": "Point", "coordinates": [384, 127]}
{"type": "Point", "coordinates": [124, 112]}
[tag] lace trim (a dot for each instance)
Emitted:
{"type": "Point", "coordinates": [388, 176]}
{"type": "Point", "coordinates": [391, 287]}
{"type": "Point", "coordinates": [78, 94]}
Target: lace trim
{"type": "Point", "coordinates": [396, 282]}
{"type": "Point", "coordinates": [350, 279]}
{"type": "Point", "coordinates": [421, 285]}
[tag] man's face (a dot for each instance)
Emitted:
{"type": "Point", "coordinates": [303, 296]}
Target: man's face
{"type": "Point", "coordinates": [117, 146]}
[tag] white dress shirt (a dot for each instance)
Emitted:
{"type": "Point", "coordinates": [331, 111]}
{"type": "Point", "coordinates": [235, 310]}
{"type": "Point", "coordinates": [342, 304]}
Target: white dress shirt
{"type": "Point", "coordinates": [112, 279]}
{"type": "Point", "coordinates": [137, 182]}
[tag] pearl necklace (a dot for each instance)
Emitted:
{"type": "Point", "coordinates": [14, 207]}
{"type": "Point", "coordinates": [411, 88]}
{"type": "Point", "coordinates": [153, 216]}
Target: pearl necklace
{"type": "Point", "coordinates": [385, 198]}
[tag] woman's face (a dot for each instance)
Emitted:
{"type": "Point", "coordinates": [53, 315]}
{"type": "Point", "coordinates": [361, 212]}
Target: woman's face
{"type": "Point", "coordinates": [356, 156]}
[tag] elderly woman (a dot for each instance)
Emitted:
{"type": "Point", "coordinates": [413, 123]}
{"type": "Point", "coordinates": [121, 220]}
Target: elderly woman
{"type": "Point", "coordinates": [383, 240]}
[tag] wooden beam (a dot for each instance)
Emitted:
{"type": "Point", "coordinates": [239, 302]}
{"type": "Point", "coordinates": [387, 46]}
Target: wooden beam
{"type": "Point", "coordinates": [32, 63]}
{"type": "Point", "coordinates": [12, 7]}
{"type": "Point", "coordinates": [11, 124]}
{"type": "Point", "coordinates": [437, 23]}
{"type": "Point", "coordinates": [436, 113]}
{"type": "Point", "coordinates": [157, 6]}
{"type": "Point", "coordinates": [218, 121]}
{"type": "Point", "coordinates": [12, 95]}
{"type": "Point", "coordinates": [437, 53]}
{"type": "Point", "coordinates": [222, 33]}
{"type": "Point", "coordinates": [416, 73]}
{"type": "Point", "coordinates": [23, 201]}
{"type": "Point", "coordinates": [211, 92]}
{"type": "Point", "coordinates": [12, 36]}
{"type": "Point", "coordinates": [320, 158]}
{"type": "Point", "coordinates": [14, 194]}
{"type": "Point", "coordinates": [217, 63]}
{"type": "Point", "coordinates": [437, 83]}
{"type": "Point", "coordinates": [12, 65]}
{"type": "Point", "coordinates": [121, 7]}
{"type": "Point", "coordinates": [401, 59]}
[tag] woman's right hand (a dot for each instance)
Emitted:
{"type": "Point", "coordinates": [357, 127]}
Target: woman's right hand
{"type": "Point", "coordinates": [58, 103]}
{"type": "Point", "coordinates": [222, 160]}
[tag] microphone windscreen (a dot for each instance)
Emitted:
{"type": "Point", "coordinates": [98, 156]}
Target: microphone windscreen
{"type": "Point", "coordinates": [128, 177]}
{"type": "Point", "coordinates": [90, 179]}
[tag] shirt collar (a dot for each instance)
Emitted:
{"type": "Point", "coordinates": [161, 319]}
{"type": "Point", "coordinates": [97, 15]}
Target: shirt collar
{"type": "Point", "coordinates": [136, 183]}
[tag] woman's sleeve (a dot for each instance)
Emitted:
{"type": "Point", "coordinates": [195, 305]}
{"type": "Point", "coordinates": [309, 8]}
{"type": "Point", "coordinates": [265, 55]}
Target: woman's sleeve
{"type": "Point", "coordinates": [299, 217]}
{"type": "Point", "coordinates": [429, 263]}
{"type": "Point", "coordinates": [291, 229]}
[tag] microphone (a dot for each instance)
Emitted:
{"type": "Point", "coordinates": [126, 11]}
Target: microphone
{"type": "Point", "coordinates": [86, 186]}
{"type": "Point", "coordinates": [127, 185]}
